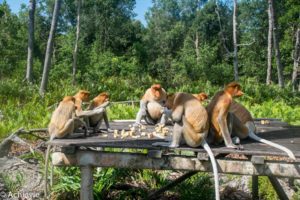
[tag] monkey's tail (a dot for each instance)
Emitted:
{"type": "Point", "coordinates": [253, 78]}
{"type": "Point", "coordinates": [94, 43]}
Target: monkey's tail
{"type": "Point", "coordinates": [255, 137]}
{"type": "Point", "coordinates": [46, 167]}
{"type": "Point", "coordinates": [251, 128]}
{"type": "Point", "coordinates": [214, 166]}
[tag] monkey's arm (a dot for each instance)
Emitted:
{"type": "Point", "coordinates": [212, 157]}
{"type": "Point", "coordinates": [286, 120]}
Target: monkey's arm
{"type": "Point", "coordinates": [222, 121]}
{"type": "Point", "coordinates": [106, 121]}
{"type": "Point", "coordinates": [89, 113]}
{"type": "Point", "coordinates": [142, 111]}
{"type": "Point", "coordinates": [104, 105]}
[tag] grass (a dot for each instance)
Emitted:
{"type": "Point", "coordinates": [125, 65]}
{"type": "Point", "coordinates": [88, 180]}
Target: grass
{"type": "Point", "coordinates": [13, 182]}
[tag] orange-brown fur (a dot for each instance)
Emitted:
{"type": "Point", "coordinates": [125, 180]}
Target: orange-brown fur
{"type": "Point", "coordinates": [64, 112]}
{"type": "Point", "coordinates": [218, 110]}
{"type": "Point", "coordinates": [201, 96]}
{"type": "Point", "coordinates": [188, 110]}
{"type": "Point", "coordinates": [154, 98]}
{"type": "Point", "coordinates": [81, 96]}
{"type": "Point", "coordinates": [155, 93]}
{"type": "Point", "coordinates": [98, 100]}
{"type": "Point", "coordinates": [240, 112]}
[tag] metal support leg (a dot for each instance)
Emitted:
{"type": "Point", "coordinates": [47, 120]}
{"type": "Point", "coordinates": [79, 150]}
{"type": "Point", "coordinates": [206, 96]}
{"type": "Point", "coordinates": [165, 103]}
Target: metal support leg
{"type": "Point", "coordinates": [86, 190]}
{"type": "Point", "coordinates": [254, 187]}
{"type": "Point", "coordinates": [278, 188]}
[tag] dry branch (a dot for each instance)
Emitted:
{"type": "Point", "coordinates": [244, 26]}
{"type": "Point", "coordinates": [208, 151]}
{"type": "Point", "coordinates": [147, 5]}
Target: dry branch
{"type": "Point", "coordinates": [6, 144]}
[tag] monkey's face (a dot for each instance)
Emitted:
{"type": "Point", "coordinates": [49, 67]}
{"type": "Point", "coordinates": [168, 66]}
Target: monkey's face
{"type": "Point", "coordinates": [85, 96]}
{"type": "Point", "coordinates": [156, 91]}
{"type": "Point", "coordinates": [101, 98]}
{"type": "Point", "coordinates": [238, 92]}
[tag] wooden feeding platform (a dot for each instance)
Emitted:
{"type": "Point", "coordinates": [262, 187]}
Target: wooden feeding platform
{"type": "Point", "coordinates": [256, 159]}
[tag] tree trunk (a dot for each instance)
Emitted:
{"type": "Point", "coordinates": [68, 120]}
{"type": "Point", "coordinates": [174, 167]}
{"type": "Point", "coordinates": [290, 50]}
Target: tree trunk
{"type": "Point", "coordinates": [235, 51]}
{"type": "Point", "coordinates": [276, 47]}
{"type": "Point", "coordinates": [197, 47]}
{"type": "Point", "coordinates": [30, 41]}
{"type": "Point", "coordinates": [223, 39]}
{"type": "Point", "coordinates": [75, 52]}
{"type": "Point", "coordinates": [49, 49]}
{"type": "Point", "coordinates": [296, 58]}
{"type": "Point", "coordinates": [269, 69]}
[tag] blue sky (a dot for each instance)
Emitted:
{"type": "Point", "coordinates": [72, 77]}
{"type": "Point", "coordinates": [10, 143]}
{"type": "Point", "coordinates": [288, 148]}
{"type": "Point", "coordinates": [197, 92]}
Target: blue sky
{"type": "Point", "coordinates": [140, 8]}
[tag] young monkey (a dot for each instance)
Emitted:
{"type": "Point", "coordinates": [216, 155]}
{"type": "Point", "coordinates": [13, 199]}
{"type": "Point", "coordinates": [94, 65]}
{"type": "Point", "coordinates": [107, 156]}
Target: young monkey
{"type": "Point", "coordinates": [63, 123]}
{"type": "Point", "coordinates": [99, 103]}
{"type": "Point", "coordinates": [243, 126]}
{"type": "Point", "coordinates": [201, 96]}
{"type": "Point", "coordinates": [152, 106]}
{"type": "Point", "coordinates": [190, 126]}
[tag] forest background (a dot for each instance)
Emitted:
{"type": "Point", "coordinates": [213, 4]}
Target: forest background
{"type": "Point", "coordinates": [186, 45]}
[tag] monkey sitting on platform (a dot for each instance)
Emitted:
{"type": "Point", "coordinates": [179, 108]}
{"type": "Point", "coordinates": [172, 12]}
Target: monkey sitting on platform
{"type": "Point", "coordinates": [152, 106]}
{"type": "Point", "coordinates": [99, 103]}
{"type": "Point", "coordinates": [228, 117]}
{"type": "Point", "coordinates": [190, 126]}
{"type": "Point", "coordinates": [62, 124]}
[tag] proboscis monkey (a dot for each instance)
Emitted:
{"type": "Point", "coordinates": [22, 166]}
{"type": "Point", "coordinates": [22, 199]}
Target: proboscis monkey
{"type": "Point", "coordinates": [99, 103]}
{"type": "Point", "coordinates": [81, 96]}
{"type": "Point", "coordinates": [218, 109]}
{"type": "Point", "coordinates": [190, 126]}
{"type": "Point", "coordinates": [152, 106]}
{"type": "Point", "coordinates": [243, 126]}
{"type": "Point", "coordinates": [201, 96]}
{"type": "Point", "coordinates": [63, 123]}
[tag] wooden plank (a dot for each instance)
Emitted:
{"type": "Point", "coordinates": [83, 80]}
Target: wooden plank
{"type": "Point", "coordinates": [286, 136]}
{"type": "Point", "coordinates": [142, 161]}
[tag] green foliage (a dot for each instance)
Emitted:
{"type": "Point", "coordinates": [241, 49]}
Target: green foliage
{"type": "Point", "coordinates": [296, 196]}
{"type": "Point", "coordinates": [13, 182]}
{"type": "Point", "coordinates": [198, 186]}
{"type": "Point", "coordinates": [268, 192]}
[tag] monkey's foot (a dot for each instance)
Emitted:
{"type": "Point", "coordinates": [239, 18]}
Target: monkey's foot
{"type": "Point", "coordinates": [174, 145]}
{"type": "Point", "coordinates": [236, 140]}
{"type": "Point", "coordinates": [136, 125]}
{"type": "Point", "coordinates": [233, 146]}
{"type": "Point", "coordinates": [109, 130]}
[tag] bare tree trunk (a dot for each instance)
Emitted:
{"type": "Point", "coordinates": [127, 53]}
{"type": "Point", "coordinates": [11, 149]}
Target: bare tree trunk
{"type": "Point", "coordinates": [30, 41]}
{"type": "Point", "coordinates": [296, 58]}
{"type": "Point", "coordinates": [197, 47]}
{"type": "Point", "coordinates": [276, 47]}
{"type": "Point", "coordinates": [49, 49]}
{"type": "Point", "coordinates": [269, 69]}
{"type": "Point", "coordinates": [221, 29]}
{"type": "Point", "coordinates": [235, 51]}
{"type": "Point", "coordinates": [75, 52]}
